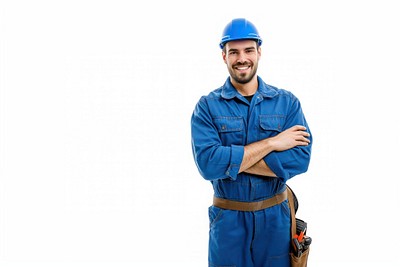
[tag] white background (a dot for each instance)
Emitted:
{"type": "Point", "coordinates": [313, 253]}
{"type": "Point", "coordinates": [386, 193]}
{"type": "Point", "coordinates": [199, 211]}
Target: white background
{"type": "Point", "coordinates": [96, 97]}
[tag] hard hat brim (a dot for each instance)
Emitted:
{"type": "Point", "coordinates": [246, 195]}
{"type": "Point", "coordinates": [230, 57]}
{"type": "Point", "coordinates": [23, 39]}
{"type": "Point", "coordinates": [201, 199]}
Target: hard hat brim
{"type": "Point", "coordinates": [223, 42]}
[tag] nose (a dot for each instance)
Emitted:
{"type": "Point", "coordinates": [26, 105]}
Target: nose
{"type": "Point", "coordinates": [241, 58]}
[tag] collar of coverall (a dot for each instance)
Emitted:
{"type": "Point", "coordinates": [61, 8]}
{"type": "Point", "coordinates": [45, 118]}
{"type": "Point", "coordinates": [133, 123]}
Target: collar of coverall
{"type": "Point", "coordinates": [229, 92]}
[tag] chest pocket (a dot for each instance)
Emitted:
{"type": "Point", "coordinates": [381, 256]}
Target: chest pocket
{"type": "Point", "coordinates": [230, 130]}
{"type": "Point", "coordinates": [271, 125]}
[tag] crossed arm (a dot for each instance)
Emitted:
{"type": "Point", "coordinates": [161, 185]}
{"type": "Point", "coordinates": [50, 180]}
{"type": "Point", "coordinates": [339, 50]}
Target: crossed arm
{"type": "Point", "coordinates": [255, 152]}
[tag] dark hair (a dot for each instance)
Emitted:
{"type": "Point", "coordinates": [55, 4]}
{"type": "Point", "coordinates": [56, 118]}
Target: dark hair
{"type": "Point", "coordinates": [257, 45]}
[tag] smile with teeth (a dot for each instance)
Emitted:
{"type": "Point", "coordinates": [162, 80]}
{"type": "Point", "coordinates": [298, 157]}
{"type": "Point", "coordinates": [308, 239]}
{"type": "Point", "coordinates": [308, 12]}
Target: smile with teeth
{"type": "Point", "coordinates": [243, 67]}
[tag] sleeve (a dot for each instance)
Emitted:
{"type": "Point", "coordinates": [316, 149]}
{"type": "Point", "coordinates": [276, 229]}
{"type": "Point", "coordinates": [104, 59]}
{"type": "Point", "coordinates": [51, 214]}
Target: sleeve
{"type": "Point", "coordinates": [286, 164]}
{"type": "Point", "coordinates": [213, 160]}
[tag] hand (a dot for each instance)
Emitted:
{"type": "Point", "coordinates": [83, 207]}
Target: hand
{"type": "Point", "coordinates": [292, 137]}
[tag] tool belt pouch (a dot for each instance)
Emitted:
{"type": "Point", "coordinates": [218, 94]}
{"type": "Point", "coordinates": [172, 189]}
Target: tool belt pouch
{"type": "Point", "coordinates": [299, 261]}
{"type": "Point", "coordinates": [299, 250]}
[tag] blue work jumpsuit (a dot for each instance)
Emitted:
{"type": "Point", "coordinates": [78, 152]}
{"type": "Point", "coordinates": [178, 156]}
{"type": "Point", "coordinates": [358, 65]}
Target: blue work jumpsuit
{"type": "Point", "coordinates": [222, 123]}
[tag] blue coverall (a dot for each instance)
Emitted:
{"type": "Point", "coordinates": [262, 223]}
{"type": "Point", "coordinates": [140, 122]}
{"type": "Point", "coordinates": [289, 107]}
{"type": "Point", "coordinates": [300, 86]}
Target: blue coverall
{"type": "Point", "coordinates": [222, 123]}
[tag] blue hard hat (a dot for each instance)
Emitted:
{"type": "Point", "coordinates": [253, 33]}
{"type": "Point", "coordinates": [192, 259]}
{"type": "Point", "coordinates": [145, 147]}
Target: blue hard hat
{"type": "Point", "coordinates": [239, 29]}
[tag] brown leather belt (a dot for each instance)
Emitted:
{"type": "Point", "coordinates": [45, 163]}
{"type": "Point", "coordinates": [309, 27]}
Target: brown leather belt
{"type": "Point", "coordinates": [250, 206]}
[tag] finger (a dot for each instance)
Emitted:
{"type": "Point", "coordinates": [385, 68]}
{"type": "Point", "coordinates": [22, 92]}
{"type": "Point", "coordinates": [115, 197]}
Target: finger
{"type": "Point", "coordinates": [303, 143]}
{"type": "Point", "coordinates": [301, 134]}
{"type": "Point", "coordinates": [299, 128]}
{"type": "Point", "coordinates": [303, 139]}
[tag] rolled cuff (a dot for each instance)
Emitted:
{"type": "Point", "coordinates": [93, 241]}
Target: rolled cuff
{"type": "Point", "coordinates": [237, 153]}
{"type": "Point", "coordinates": [273, 162]}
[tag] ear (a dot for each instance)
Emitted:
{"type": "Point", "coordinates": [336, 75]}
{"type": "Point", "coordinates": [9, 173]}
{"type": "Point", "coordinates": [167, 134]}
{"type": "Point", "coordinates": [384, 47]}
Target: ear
{"type": "Point", "coordinates": [259, 52]}
{"type": "Point", "coordinates": [224, 56]}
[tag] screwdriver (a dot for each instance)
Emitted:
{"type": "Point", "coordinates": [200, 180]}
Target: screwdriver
{"type": "Point", "coordinates": [301, 235]}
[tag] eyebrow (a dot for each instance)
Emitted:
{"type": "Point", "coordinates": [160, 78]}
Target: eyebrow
{"type": "Point", "coordinates": [247, 48]}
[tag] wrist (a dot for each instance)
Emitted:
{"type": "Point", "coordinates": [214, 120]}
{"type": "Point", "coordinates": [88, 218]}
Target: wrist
{"type": "Point", "coordinates": [269, 145]}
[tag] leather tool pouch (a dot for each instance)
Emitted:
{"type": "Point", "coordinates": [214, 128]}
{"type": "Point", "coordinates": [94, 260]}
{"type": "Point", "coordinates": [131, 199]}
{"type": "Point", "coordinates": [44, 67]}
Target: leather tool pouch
{"type": "Point", "coordinates": [299, 261]}
{"type": "Point", "coordinates": [300, 249]}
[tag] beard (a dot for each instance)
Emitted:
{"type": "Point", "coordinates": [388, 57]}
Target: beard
{"type": "Point", "coordinates": [242, 78]}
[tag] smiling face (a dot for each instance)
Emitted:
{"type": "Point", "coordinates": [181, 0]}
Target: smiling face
{"type": "Point", "coordinates": [241, 58]}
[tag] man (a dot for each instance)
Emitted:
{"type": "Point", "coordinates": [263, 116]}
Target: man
{"type": "Point", "coordinates": [248, 139]}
